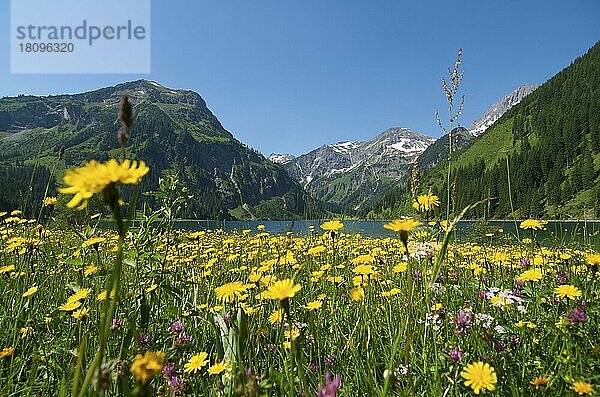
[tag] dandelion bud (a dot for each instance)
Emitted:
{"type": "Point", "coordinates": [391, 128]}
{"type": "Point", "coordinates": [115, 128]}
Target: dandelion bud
{"type": "Point", "coordinates": [126, 119]}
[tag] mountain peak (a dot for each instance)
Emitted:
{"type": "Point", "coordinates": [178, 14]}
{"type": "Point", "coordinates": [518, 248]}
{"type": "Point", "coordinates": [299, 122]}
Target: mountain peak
{"type": "Point", "coordinates": [496, 111]}
{"type": "Point", "coordinates": [281, 158]}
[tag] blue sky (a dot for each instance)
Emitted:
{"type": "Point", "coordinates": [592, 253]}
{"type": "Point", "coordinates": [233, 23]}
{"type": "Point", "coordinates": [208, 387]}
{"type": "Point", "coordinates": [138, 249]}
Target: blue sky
{"type": "Point", "coordinates": [288, 76]}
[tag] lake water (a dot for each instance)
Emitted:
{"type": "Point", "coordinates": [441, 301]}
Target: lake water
{"type": "Point", "coordinates": [556, 231]}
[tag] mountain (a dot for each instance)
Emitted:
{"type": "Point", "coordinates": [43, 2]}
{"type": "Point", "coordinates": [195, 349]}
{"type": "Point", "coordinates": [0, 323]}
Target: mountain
{"type": "Point", "coordinates": [438, 151]}
{"type": "Point", "coordinates": [278, 158]}
{"type": "Point", "coordinates": [174, 132]}
{"type": "Point", "coordinates": [551, 139]}
{"type": "Point", "coordinates": [354, 173]}
{"type": "Point", "coordinates": [495, 111]}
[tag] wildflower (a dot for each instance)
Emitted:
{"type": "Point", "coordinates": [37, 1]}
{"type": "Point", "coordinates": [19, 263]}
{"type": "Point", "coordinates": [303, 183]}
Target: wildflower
{"type": "Point", "coordinates": [6, 352]}
{"type": "Point", "coordinates": [81, 313]}
{"type": "Point", "coordinates": [533, 224]}
{"type": "Point", "coordinates": [69, 306]}
{"type": "Point", "coordinates": [567, 291]}
{"type": "Point", "coordinates": [116, 324]}
{"type": "Point", "coordinates": [282, 289]}
{"type": "Point", "coordinates": [79, 295]}
{"type": "Point", "coordinates": [50, 201]}
{"type": "Point", "coordinates": [582, 388]}
{"type": "Point", "coordinates": [332, 226]}
{"type": "Point", "coordinates": [425, 202]}
{"type": "Point", "coordinates": [400, 267]}
{"type": "Point", "coordinates": [357, 294]}
{"type": "Point", "coordinates": [30, 291]}
{"type": "Point", "coordinates": [316, 250]}
{"type": "Point", "coordinates": [331, 385]}
{"type": "Point", "coordinates": [539, 381]}
{"type": "Point", "coordinates": [219, 367]}
{"type": "Point", "coordinates": [462, 322]}
{"type": "Point", "coordinates": [25, 332]}
{"type": "Point", "coordinates": [480, 377]}
{"type": "Point", "coordinates": [329, 360]}
{"type": "Point", "coordinates": [276, 316]}
{"type": "Point", "coordinates": [196, 362]}
{"type": "Point", "coordinates": [143, 338]}
{"type": "Point", "coordinates": [362, 259]}
{"type": "Point", "coordinates": [593, 259]}
{"type": "Point", "coordinates": [94, 177]}
{"type": "Point", "coordinates": [314, 305]}
{"type": "Point", "coordinates": [455, 355]}
{"type": "Point", "coordinates": [92, 241]}
{"type": "Point", "coordinates": [530, 275]}
{"type": "Point", "coordinates": [402, 227]}
{"type": "Point", "coordinates": [146, 366]}
{"type": "Point", "coordinates": [228, 292]}
{"type": "Point", "coordinates": [576, 316]}
{"type": "Point", "coordinates": [183, 339]}
{"type": "Point", "coordinates": [177, 326]}
{"type": "Point", "coordinates": [363, 270]}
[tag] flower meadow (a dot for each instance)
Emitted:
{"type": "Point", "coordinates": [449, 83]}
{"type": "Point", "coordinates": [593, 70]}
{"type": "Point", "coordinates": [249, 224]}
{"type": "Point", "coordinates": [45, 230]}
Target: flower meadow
{"type": "Point", "coordinates": [143, 309]}
{"type": "Point", "coordinates": [248, 313]}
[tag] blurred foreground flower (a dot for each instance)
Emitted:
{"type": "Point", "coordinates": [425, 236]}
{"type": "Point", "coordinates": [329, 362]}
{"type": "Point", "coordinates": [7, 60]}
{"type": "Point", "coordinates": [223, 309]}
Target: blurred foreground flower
{"type": "Point", "coordinates": [146, 366]}
{"type": "Point", "coordinates": [95, 177]}
{"type": "Point", "coordinates": [331, 385]}
{"type": "Point", "coordinates": [282, 289]}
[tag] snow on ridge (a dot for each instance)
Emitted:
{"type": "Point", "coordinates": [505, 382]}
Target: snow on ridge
{"type": "Point", "coordinates": [407, 145]}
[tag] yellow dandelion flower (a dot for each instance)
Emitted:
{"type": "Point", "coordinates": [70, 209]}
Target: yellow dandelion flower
{"type": "Point", "coordinates": [196, 362]}
{"type": "Point", "coordinates": [314, 305]}
{"type": "Point", "coordinates": [402, 225]}
{"type": "Point", "coordinates": [480, 377]}
{"type": "Point", "coordinates": [400, 267]}
{"type": "Point", "coordinates": [567, 291]}
{"type": "Point", "coordinates": [530, 275]}
{"type": "Point", "coordinates": [276, 316]}
{"type": "Point", "coordinates": [94, 177]}
{"type": "Point", "coordinates": [30, 291]}
{"type": "Point", "coordinates": [539, 381]}
{"type": "Point", "coordinates": [81, 313]}
{"type": "Point", "coordinates": [218, 368]}
{"type": "Point", "coordinates": [583, 388]}
{"type": "Point", "coordinates": [425, 202]}
{"type": "Point", "coordinates": [282, 289]}
{"type": "Point", "coordinates": [357, 294]}
{"type": "Point", "coordinates": [6, 352]}
{"type": "Point", "coordinates": [50, 201]}
{"type": "Point", "coordinates": [92, 241]}
{"type": "Point", "coordinates": [332, 226]}
{"type": "Point", "coordinates": [146, 366]}
{"type": "Point", "coordinates": [533, 224]}
{"type": "Point", "coordinates": [70, 306]}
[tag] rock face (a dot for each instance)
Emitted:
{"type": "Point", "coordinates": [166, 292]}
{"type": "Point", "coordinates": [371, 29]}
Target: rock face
{"type": "Point", "coordinates": [496, 111]}
{"type": "Point", "coordinates": [352, 174]}
{"type": "Point", "coordinates": [174, 131]}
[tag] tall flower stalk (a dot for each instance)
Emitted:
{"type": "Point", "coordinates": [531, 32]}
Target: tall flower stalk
{"type": "Point", "coordinates": [450, 91]}
{"type": "Point", "coordinates": [103, 178]}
